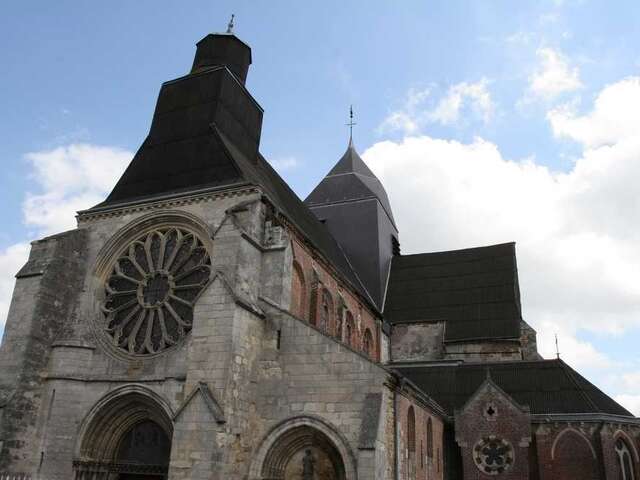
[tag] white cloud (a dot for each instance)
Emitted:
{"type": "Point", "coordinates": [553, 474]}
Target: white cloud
{"type": "Point", "coordinates": [475, 94]}
{"type": "Point", "coordinates": [577, 232]}
{"type": "Point", "coordinates": [553, 76]}
{"type": "Point", "coordinates": [630, 402]}
{"type": "Point", "coordinates": [69, 179]}
{"type": "Point", "coordinates": [614, 118]}
{"type": "Point", "coordinates": [284, 163]}
{"type": "Point", "coordinates": [11, 260]}
{"type": "Point", "coordinates": [473, 100]}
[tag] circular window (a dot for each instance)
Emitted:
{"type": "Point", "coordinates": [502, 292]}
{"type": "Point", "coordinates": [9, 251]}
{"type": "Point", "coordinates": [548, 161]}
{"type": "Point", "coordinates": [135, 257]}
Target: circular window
{"type": "Point", "coordinates": [493, 455]}
{"type": "Point", "coordinates": [151, 290]}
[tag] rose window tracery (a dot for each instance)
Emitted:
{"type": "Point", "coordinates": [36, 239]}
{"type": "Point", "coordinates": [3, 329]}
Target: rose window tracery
{"type": "Point", "coordinates": [150, 293]}
{"type": "Point", "coordinates": [493, 455]}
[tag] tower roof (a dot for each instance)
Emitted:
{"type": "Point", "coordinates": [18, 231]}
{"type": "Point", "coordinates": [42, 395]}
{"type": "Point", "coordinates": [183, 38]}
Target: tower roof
{"type": "Point", "coordinates": [350, 180]}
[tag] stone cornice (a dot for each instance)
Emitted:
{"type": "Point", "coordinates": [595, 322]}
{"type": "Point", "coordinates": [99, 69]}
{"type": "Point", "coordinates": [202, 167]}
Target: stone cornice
{"type": "Point", "coordinates": [94, 214]}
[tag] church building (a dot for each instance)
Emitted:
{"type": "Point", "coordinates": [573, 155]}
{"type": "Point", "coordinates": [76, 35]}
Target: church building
{"type": "Point", "coordinates": [204, 323]}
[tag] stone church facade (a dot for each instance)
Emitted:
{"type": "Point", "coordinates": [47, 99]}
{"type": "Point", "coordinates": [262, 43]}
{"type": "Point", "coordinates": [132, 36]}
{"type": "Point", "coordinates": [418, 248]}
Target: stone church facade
{"type": "Point", "coordinates": [205, 323]}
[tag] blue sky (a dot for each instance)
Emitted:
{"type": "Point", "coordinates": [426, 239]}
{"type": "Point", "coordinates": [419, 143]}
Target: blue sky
{"type": "Point", "coordinates": [488, 121]}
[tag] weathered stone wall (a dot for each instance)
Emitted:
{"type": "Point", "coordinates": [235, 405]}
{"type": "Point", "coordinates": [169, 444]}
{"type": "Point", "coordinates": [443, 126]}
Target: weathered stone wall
{"type": "Point", "coordinates": [528, 342]}
{"type": "Point", "coordinates": [417, 342]}
{"type": "Point", "coordinates": [486, 351]}
{"type": "Point", "coordinates": [42, 310]}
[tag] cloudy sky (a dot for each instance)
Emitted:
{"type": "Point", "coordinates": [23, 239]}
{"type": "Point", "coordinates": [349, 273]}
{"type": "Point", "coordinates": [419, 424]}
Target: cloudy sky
{"type": "Point", "coordinates": [488, 122]}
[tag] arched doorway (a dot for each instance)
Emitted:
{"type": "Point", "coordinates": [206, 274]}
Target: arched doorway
{"type": "Point", "coordinates": [126, 436]}
{"type": "Point", "coordinates": [304, 448]}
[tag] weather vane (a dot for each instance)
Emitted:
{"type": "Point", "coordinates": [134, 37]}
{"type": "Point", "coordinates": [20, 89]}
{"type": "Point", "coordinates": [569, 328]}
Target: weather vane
{"type": "Point", "coordinates": [230, 24]}
{"type": "Point", "coordinates": [351, 123]}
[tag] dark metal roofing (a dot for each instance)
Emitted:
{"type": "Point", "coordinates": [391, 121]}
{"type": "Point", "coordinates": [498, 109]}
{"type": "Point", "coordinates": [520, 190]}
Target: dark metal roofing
{"type": "Point", "coordinates": [350, 179]}
{"type": "Point", "coordinates": [545, 386]}
{"type": "Point", "coordinates": [205, 134]}
{"type": "Point", "coordinates": [474, 291]}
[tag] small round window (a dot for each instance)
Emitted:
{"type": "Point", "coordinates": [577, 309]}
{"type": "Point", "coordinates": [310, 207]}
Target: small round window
{"type": "Point", "coordinates": [493, 455]}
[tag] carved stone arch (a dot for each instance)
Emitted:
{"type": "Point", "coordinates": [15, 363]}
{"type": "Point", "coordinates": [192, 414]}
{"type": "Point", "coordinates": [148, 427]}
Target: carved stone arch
{"type": "Point", "coordinates": [292, 436]}
{"type": "Point", "coordinates": [109, 423]}
{"type": "Point", "coordinates": [146, 223]}
{"type": "Point", "coordinates": [576, 432]}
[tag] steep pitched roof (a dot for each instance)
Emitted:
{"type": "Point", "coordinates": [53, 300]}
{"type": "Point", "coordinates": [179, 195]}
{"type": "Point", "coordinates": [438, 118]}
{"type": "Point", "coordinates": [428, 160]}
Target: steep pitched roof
{"type": "Point", "coordinates": [350, 179]}
{"type": "Point", "coordinates": [545, 386]}
{"type": "Point", "coordinates": [474, 291]}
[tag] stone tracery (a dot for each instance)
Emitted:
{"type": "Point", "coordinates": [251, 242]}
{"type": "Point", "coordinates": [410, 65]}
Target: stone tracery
{"type": "Point", "coordinates": [150, 293]}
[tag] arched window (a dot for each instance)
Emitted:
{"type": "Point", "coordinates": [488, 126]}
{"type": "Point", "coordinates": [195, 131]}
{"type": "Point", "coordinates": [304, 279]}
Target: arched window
{"type": "Point", "coordinates": [411, 444]}
{"type": "Point", "coordinates": [326, 307]}
{"type": "Point", "coordinates": [298, 291]}
{"type": "Point", "coordinates": [572, 456]}
{"type": "Point", "coordinates": [429, 438]}
{"type": "Point", "coordinates": [349, 329]}
{"type": "Point", "coordinates": [625, 464]}
{"type": "Point", "coordinates": [367, 342]}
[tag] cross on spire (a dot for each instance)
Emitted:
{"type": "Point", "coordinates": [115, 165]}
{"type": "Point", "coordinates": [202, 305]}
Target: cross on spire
{"type": "Point", "coordinates": [351, 124]}
{"type": "Point", "coordinates": [230, 24]}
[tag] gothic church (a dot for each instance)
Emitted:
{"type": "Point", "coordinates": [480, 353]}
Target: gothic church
{"type": "Point", "coordinates": [205, 323]}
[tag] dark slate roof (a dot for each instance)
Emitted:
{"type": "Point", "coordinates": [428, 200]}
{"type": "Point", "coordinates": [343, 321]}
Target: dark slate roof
{"type": "Point", "coordinates": [545, 386]}
{"type": "Point", "coordinates": [205, 135]}
{"type": "Point", "coordinates": [474, 291]}
{"type": "Point", "coordinates": [261, 173]}
{"type": "Point", "coordinates": [181, 154]}
{"type": "Point", "coordinates": [350, 179]}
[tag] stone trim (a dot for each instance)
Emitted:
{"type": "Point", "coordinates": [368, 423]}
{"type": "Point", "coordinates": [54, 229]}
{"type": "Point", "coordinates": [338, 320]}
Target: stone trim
{"type": "Point", "coordinates": [577, 432]}
{"type": "Point", "coordinates": [172, 201]}
{"type": "Point", "coordinates": [210, 401]}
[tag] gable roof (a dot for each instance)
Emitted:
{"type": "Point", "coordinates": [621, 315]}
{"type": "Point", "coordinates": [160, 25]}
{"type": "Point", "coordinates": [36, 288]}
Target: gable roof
{"type": "Point", "coordinates": [350, 179]}
{"type": "Point", "coordinates": [545, 386]}
{"type": "Point", "coordinates": [474, 291]}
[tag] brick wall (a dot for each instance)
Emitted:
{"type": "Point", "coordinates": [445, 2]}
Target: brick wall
{"type": "Point", "coordinates": [346, 308]}
{"type": "Point", "coordinates": [423, 462]}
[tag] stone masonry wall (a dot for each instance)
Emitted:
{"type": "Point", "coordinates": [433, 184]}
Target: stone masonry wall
{"type": "Point", "coordinates": [41, 311]}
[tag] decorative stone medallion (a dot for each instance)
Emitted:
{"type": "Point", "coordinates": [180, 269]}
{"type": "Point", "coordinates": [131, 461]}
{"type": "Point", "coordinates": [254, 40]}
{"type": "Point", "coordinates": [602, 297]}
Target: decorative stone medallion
{"type": "Point", "coordinates": [493, 455]}
{"type": "Point", "coordinates": [150, 293]}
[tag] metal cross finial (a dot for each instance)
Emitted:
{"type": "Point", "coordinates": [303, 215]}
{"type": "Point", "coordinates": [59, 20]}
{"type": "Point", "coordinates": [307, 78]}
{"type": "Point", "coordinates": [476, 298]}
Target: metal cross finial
{"type": "Point", "coordinates": [230, 24]}
{"type": "Point", "coordinates": [351, 123]}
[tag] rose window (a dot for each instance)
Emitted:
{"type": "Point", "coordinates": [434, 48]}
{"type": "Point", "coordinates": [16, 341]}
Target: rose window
{"type": "Point", "coordinates": [493, 455]}
{"type": "Point", "coordinates": [151, 290]}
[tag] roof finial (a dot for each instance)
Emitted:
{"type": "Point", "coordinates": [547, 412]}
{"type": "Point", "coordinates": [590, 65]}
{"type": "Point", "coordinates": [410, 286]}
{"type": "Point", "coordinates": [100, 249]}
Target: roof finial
{"type": "Point", "coordinates": [557, 349]}
{"type": "Point", "coordinates": [230, 24]}
{"type": "Point", "coordinates": [351, 124]}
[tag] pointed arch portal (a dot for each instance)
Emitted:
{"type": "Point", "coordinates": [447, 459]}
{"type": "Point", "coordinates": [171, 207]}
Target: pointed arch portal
{"type": "Point", "coordinates": [126, 436]}
{"type": "Point", "coordinates": [303, 448]}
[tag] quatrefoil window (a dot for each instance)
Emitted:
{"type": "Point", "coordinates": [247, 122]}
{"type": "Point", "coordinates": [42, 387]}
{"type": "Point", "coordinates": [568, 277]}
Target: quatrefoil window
{"type": "Point", "coordinates": [150, 293]}
{"type": "Point", "coordinates": [493, 455]}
